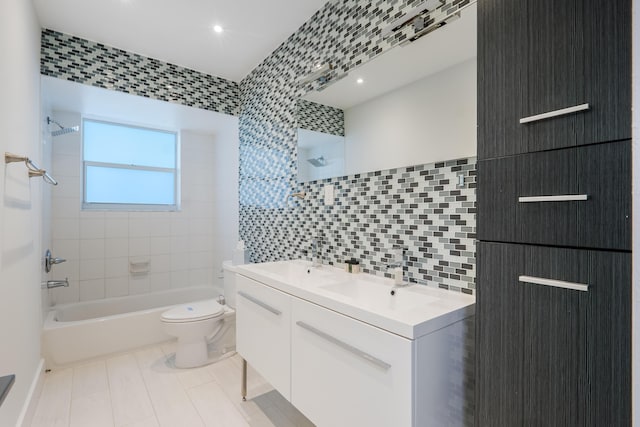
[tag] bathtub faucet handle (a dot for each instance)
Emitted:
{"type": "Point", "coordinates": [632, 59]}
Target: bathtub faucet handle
{"type": "Point", "coordinates": [50, 261]}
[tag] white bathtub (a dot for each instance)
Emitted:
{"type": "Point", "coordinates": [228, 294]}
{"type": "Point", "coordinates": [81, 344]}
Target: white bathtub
{"type": "Point", "coordinates": [78, 331]}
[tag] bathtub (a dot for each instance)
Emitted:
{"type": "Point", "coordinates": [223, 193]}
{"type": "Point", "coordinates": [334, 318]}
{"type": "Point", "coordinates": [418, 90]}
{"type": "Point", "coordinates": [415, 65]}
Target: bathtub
{"type": "Point", "coordinates": [84, 330]}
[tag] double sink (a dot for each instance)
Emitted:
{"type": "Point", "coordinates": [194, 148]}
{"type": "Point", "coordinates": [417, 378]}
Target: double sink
{"type": "Point", "coordinates": [409, 311]}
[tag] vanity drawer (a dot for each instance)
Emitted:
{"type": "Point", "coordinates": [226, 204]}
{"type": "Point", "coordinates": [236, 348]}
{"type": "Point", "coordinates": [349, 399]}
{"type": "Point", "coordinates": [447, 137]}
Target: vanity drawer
{"type": "Point", "coordinates": [578, 197]}
{"type": "Point", "coordinates": [263, 317]}
{"type": "Point", "coordinates": [348, 373]}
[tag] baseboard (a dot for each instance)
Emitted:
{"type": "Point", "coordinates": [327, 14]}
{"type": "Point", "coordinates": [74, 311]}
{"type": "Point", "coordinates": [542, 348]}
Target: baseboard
{"type": "Point", "coordinates": [31, 401]}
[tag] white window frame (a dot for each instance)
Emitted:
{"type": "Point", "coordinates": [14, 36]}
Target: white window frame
{"type": "Point", "coordinates": [131, 207]}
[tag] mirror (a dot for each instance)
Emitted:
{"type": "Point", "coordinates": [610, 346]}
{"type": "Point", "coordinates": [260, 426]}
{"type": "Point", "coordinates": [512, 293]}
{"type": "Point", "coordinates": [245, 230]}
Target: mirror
{"type": "Point", "coordinates": [414, 104]}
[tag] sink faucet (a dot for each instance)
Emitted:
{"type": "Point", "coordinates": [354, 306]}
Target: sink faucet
{"type": "Point", "coordinates": [397, 266]}
{"type": "Point", "coordinates": [316, 252]}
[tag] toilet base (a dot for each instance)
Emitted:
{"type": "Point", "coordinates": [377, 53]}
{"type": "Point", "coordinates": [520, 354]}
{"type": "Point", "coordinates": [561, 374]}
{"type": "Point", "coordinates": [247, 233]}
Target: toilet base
{"type": "Point", "coordinates": [191, 354]}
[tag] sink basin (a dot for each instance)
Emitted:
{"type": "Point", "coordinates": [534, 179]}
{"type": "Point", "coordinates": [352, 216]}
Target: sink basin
{"type": "Point", "coordinates": [368, 293]}
{"type": "Point", "coordinates": [298, 271]}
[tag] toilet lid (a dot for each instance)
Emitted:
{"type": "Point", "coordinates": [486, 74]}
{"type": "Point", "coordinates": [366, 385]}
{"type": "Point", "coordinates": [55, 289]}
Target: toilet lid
{"type": "Point", "coordinates": [199, 310]}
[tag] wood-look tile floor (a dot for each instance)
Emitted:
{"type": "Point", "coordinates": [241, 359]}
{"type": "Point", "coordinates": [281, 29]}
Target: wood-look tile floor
{"type": "Point", "coordinates": [141, 389]}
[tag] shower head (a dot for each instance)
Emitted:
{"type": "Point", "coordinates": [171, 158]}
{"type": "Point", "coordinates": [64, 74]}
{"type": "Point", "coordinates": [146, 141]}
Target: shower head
{"type": "Point", "coordinates": [63, 130]}
{"type": "Point", "coordinates": [318, 161]}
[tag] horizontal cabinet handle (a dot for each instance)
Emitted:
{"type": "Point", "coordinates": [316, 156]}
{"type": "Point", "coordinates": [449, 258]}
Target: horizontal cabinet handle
{"type": "Point", "coordinates": [556, 113]}
{"type": "Point", "coordinates": [380, 363]}
{"type": "Point", "coordinates": [260, 303]}
{"type": "Point", "coordinates": [558, 198]}
{"type": "Point", "coordinates": [554, 283]}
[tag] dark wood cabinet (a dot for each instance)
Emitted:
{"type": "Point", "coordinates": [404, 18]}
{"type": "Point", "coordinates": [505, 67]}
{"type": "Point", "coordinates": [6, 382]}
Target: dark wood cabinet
{"type": "Point", "coordinates": [545, 56]}
{"type": "Point", "coordinates": [548, 355]}
{"type": "Point", "coordinates": [601, 173]}
{"type": "Point", "coordinates": [553, 298]}
{"type": "Point", "coordinates": [499, 351]}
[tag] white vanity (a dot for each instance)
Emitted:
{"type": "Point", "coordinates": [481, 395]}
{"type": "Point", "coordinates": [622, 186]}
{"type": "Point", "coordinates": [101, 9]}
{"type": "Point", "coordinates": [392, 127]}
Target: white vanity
{"type": "Point", "coordinates": [346, 352]}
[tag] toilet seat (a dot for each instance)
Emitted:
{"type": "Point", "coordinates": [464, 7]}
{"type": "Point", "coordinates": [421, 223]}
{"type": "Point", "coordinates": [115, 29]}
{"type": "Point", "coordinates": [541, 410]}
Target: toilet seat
{"type": "Point", "coordinates": [193, 312]}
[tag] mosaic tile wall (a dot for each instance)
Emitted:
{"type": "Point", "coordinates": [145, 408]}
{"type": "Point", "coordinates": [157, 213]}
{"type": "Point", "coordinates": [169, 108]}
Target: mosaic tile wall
{"type": "Point", "coordinates": [319, 118]}
{"type": "Point", "coordinates": [72, 58]}
{"type": "Point", "coordinates": [418, 208]}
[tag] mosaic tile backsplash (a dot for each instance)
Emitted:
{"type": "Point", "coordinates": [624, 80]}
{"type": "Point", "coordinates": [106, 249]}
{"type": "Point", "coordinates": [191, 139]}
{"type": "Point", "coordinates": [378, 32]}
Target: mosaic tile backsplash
{"type": "Point", "coordinates": [418, 207]}
{"type": "Point", "coordinates": [72, 58]}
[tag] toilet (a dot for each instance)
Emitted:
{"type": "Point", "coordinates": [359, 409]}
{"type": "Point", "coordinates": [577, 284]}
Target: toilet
{"type": "Point", "coordinates": [205, 329]}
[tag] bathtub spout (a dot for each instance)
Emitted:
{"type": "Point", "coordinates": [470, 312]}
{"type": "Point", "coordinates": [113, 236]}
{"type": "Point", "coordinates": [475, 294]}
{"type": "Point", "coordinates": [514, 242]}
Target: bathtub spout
{"type": "Point", "coordinates": [57, 283]}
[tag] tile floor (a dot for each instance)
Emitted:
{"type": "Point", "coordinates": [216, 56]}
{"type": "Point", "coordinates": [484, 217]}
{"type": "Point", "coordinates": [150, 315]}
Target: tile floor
{"type": "Point", "coordinates": [141, 389]}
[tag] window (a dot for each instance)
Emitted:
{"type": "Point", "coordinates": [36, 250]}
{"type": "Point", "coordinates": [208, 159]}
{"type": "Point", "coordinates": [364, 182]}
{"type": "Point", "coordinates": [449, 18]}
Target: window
{"type": "Point", "coordinates": [128, 167]}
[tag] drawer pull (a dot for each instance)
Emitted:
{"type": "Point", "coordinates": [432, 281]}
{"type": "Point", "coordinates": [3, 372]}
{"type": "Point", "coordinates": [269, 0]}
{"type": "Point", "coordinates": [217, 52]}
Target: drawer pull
{"type": "Point", "coordinates": [560, 198]}
{"type": "Point", "coordinates": [380, 363]}
{"type": "Point", "coordinates": [554, 283]}
{"type": "Point", "coordinates": [556, 113]}
{"type": "Point", "coordinates": [260, 303]}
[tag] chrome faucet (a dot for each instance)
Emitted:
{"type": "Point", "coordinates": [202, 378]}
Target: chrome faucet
{"type": "Point", "coordinates": [316, 252]}
{"type": "Point", "coordinates": [398, 266]}
{"type": "Point", "coordinates": [57, 283]}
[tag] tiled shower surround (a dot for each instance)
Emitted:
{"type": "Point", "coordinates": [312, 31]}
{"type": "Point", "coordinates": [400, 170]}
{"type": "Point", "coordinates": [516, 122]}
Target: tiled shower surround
{"type": "Point", "coordinates": [417, 207]}
{"type": "Point", "coordinates": [72, 58]}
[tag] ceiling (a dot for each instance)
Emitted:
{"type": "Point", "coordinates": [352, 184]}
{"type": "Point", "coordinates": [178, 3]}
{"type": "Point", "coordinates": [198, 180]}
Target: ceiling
{"type": "Point", "coordinates": [181, 31]}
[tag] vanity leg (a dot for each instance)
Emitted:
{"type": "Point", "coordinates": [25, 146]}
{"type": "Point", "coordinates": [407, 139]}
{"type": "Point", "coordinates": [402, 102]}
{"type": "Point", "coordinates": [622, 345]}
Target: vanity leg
{"type": "Point", "coordinates": [243, 385]}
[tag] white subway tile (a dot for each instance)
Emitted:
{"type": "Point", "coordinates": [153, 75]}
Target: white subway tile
{"type": "Point", "coordinates": [159, 245]}
{"type": "Point", "coordinates": [116, 286]}
{"type": "Point", "coordinates": [159, 281]}
{"type": "Point", "coordinates": [139, 246]}
{"type": "Point", "coordinates": [92, 269]}
{"type": "Point", "coordinates": [92, 248]}
{"type": "Point", "coordinates": [116, 267]}
{"type": "Point", "coordinates": [138, 284]}
{"type": "Point", "coordinates": [91, 289]}
{"type": "Point", "coordinates": [92, 228]}
{"type": "Point", "coordinates": [116, 227]}
{"type": "Point", "coordinates": [65, 229]}
{"type": "Point", "coordinates": [115, 248]}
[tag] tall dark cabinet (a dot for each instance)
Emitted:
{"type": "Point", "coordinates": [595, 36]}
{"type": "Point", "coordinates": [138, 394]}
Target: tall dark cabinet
{"type": "Point", "coordinates": [553, 313]}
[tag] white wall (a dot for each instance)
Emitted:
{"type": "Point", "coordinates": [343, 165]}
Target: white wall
{"type": "Point", "coordinates": [185, 248]}
{"type": "Point", "coordinates": [431, 120]}
{"type": "Point", "coordinates": [20, 209]}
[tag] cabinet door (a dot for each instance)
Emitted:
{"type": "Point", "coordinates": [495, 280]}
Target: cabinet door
{"type": "Point", "coordinates": [547, 56]}
{"type": "Point", "coordinates": [263, 317]}
{"type": "Point", "coordinates": [346, 373]}
{"type": "Point", "coordinates": [554, 76]}
{"type": "Point", "coordinates": [576, 342]}
{"type": "Point", "coordinates": [499, 343]}
{"type": "Point", "coordinates": [501, 43]}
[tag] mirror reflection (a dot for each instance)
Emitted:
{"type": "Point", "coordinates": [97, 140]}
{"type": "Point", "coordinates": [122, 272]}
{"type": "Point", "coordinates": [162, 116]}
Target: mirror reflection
{"type": "Point", "coordinates": [414, 104]}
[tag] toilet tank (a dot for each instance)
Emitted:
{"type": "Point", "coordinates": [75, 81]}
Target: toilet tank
{"type": "Point", "coordinates": [229, 272]}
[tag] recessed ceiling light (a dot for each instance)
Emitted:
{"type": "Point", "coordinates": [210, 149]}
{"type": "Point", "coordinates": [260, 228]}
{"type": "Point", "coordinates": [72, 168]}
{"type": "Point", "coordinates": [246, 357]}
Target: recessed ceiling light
{"type": "Point", "coordinates": [360, 81]}
{"type": "Point", "coordinates": [218, 29]}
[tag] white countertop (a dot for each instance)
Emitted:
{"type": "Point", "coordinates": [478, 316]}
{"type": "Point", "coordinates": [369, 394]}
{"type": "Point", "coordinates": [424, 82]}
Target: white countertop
{"type": "Point", "coordinates": [413, 311]}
